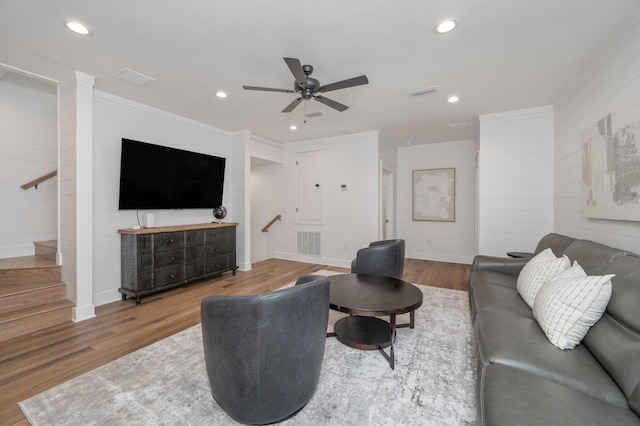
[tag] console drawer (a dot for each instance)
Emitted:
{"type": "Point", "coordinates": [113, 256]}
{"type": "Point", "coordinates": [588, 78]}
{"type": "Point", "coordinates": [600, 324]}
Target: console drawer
{"type": "Point", "coordinates": [215, 235]}
{"type": "Point", "coordinates": [194, 270]}
{"type": "Point", "coordinates": [216, 264]}
{"type": "Point", "coordinates": [215, 250]}
{"type": "Point", "coordinates": [168, 275]}
{"type": "Point", "coordinates": [168, 241]}
{"type": "Point", "coordinates": [168, 258]}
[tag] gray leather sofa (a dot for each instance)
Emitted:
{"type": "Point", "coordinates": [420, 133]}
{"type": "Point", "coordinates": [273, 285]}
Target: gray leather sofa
{"type": "Point", "coordinates": [525, 380]}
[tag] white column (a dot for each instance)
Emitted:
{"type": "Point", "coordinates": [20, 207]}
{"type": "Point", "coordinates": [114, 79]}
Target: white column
{"type": "Point", "coordinates": [76, 203]}
{"type": "Point", "coordinates": [241, 195]}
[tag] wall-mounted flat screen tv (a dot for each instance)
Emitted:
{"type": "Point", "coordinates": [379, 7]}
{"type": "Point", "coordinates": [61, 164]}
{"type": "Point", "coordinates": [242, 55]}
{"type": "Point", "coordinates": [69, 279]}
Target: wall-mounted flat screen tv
{"type": "Point", "coordinates": [159, 177]}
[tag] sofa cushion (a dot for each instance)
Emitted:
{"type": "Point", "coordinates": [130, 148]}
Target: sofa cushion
{"type": "Point", "coordinates": [508, 396]}
{"type": "Point", "coordinates": [513, 340]}
{"type": "Point", "coordinates": [569, 304]}
{"type": "Point", "coordinates": [556, 242]}
{"type": "Point", "coordinates": [500, 298]}
{"type": "Point", "coordinates": [538, 271]}
{"type": "Point", "coordinates": [593, 257]}
{"type": "Point", "coordinates": [619, 328]}
{"type": "Point", "coordinates": [481, 277]}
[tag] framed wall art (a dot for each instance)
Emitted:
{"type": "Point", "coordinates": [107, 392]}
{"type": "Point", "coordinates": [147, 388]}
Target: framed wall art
{"type": "Point", "coordinates": [611, 166]}
{"type": "Point", "coordinates": [434, 196]}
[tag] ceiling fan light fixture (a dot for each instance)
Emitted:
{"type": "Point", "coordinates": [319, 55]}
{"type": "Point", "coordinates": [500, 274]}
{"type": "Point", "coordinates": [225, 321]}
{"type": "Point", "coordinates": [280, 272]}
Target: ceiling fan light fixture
{"type": "Point", "coordinates": [445, 26]}
{"type": "Point", "coordinates": [77, 27]}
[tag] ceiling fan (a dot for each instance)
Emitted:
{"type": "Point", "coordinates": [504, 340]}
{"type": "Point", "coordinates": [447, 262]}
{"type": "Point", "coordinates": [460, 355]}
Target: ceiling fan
{"type": "Point", "coordinates": [310, 88]}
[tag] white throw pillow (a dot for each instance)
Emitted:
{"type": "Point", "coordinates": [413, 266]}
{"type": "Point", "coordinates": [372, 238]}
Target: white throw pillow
{"type": "Point", "coordinates": [540, 269]}
{"type": "Point", "coordinates": [569, 304]}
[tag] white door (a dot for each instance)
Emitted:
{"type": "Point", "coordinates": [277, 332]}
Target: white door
{"type": "Point", "coordinates": [309, 187]}
{"type": "Point", "coordinates": [386, 228]}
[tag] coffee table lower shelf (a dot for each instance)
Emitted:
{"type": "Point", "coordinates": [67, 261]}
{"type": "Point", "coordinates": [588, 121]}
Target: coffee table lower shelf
{"type": "Point", "coordinates": [366, 333]}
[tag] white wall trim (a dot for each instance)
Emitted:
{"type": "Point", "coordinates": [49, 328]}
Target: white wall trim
{"type": "Point", "coordinates": [527, 112]}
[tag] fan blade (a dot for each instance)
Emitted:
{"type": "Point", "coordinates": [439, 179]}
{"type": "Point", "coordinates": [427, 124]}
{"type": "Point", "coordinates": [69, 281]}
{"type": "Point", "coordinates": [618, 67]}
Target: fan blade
{"type": "Point", "coordinates": [292, 105]}
{"type": "Point", "coordinates": [267, 89]}
{"type": "Point", "coordinates": [355, 81]}
{"type": "Point", "coordinates": [296, 69]}
{"type": "Point", "coordinates": [331, 103]}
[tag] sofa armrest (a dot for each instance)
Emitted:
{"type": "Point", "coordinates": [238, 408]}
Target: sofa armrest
{"type": "Point", "coordinates": [499, 264]}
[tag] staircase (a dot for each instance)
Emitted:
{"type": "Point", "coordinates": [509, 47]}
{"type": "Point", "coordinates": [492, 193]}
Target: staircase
{"type": "Point", "coordinates": [32, 295]}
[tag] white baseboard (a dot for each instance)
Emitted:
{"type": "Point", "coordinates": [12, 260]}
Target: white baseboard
{"type": "Point", "coordinates": [467, 260]}
{"type": "Point", "coordinates": [84, 312]}
{"type": "Point", "coordinates": [339, 263]}
{"type": "Point", "coordinates": [107, 296]}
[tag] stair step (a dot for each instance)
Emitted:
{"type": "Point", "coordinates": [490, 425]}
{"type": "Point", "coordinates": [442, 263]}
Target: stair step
{"type": "Point", "coordinates": [27, 320]}
{"type": "Point", "coordinates": [23, 321]}
{"type": "Point", "coordinates": [46, 249]}
{"type": "Point", "coordinates": [19, 296]}
{"type": "Point", "coordinates": [41, 274]}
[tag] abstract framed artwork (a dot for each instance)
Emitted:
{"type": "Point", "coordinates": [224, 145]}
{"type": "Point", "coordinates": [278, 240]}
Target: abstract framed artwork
{"type": "Point", "coordinates": [434, 195]}
{"type": "Point", "coordinates": [611, 167]}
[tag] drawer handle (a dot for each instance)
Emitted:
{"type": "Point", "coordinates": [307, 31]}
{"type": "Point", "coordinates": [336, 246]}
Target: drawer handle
{"type": "Point", "coordinates": [172, 276]}
{"type": "Point", "coordinates": [171, 241]}
{"type": "Point", "coordinates": [172, 258]}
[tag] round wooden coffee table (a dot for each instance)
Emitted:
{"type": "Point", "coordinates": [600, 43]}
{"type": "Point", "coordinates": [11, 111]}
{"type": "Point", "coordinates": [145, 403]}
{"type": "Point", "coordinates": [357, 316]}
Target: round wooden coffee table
{"type": "Point", "coordinates": [366, 297]}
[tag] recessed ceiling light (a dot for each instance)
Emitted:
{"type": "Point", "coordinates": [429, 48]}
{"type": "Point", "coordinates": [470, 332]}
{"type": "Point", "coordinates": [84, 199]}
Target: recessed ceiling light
{"type": "Point", "coordinates": [221, 94]}
{"type": "Point", "coordinates": [77, 27]}
{"type": "Point", "coordinates": [293, 127]}
{"type": "Point", "coordinates": [446, 26]}
{"type": "Point", "coordinates": [453, 99]}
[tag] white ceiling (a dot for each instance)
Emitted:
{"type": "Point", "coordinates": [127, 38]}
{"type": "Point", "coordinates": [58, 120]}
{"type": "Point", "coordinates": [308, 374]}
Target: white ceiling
{"type": "Point", "coordinates": [505, 55]}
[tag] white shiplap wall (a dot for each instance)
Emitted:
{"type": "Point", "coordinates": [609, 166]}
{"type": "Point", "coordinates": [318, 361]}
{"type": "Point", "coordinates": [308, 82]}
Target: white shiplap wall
{"type": "Point", "coordinates": [28, 150]}
{"type": "Point", "coordinates": [441, 241]}
{"type": "Point", "coordinates": [515, 180]}
{"type": "Point", "coordinates": [350, 216]}
{"type": "Point", "coordinates": [116, 118]}
{"type": "Point", "coordinates": [610, 84]}
{"type": "Point", "coordinates": [267, 161]}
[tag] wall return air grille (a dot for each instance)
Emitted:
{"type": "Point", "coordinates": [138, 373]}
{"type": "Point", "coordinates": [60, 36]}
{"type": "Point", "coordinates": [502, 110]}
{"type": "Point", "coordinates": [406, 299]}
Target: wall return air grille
{"type": "Point", "coordinates": [309, 243]}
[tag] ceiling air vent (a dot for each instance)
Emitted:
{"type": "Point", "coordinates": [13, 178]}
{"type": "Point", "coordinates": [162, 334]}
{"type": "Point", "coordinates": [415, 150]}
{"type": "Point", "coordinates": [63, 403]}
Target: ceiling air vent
{"type": "Point", "coordinates": [133, 77]}
{"type": "Point", "coordinates": [313, 114]}
{"type": "Point", "coordinates": [457, 126]}
{"type": "Point", "coordinates": [424, 91]}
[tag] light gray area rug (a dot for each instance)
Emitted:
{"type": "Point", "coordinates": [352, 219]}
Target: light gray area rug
{"type": "Point", "coordinates": [166, 383]}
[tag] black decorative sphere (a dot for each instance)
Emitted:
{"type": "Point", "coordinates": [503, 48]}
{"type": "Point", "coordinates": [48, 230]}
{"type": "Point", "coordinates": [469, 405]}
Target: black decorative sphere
{"type": "Point", "coordinates": [220, 213]}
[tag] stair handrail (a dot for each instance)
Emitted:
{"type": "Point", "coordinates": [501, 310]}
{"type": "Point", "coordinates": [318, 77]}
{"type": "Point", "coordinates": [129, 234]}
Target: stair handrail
{"type": "Point", "coordinates": [39, 180]}
{"type": "Point", "coordinates": [274, 220]}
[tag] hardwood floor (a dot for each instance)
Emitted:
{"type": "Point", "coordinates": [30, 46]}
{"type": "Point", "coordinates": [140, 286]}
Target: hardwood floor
{"type": "Point", "coordinates": [33, 363]}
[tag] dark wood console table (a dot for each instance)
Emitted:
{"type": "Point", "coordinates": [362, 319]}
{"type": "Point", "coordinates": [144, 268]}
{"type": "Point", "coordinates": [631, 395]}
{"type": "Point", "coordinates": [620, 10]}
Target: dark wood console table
{"type": "Point", "coordinates": [365, 297]}
{"type": "Point", "coordinates": [156, 259]}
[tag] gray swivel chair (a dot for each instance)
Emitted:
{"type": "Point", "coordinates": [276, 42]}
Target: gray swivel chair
{"type": "Point", "coordinates": [384, 258]}
{"type": "Point", "coordinates": [264, 353]}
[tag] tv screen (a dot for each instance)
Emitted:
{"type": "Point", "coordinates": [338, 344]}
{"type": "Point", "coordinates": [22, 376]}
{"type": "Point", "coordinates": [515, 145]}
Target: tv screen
{"type": "Point", "coordinates": [158, 177]}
